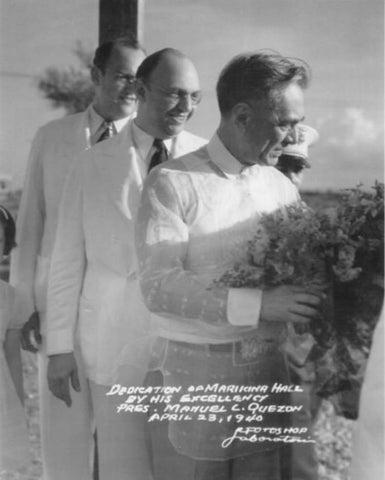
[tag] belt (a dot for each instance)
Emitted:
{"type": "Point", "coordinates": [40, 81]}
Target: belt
{"type": "Point", "coordinates": [211, 347]}
{"type": "Point", "coordinates": [246, 348]}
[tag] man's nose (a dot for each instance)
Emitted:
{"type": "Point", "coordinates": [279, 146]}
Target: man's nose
{"type": "Point", "coordinates": [185, 103]}
{"type": "Point", "coordinates": [129, 88]}
{"type": "Point", "coordinates": [292, 137]}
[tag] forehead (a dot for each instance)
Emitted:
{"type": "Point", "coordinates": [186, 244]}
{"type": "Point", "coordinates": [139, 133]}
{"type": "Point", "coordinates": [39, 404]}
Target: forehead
{"type": "Point", "coordinates": [125, 59]}
{"type": "Point", "coordinates": [176, 72]}
{"type": "Point", "coordinates": [290, 104]}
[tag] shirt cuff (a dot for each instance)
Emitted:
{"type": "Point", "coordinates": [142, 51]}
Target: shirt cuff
{"type": "Point", "coordinates": [244, 306]}
{"type": "Point", "coordinates": [59, 342]}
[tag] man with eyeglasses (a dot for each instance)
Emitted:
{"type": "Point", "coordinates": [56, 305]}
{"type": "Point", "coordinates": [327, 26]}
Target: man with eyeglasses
{"type": "Point", "coordinates": [66, 435]}
{"type": "Point", "coordinates": [196, 217]}
{"type": "Point", "coordinates": [93, 291]}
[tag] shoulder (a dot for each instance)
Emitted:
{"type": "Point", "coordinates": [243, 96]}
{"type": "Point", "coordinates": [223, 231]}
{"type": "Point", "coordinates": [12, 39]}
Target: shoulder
{"type": "Point", "coordinates": [190, 142]}
{"type": "Point", "coordinates": [189, 163]}
{"type": "Point", "coordinates": [178, 177]}
{"type": "Point", "coordinates": [69, 122]}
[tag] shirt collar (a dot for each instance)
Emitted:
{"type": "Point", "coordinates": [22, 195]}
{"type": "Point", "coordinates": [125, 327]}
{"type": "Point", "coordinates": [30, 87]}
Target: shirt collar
{"type": "Point", "coordinates": [144, 141]}
{"type": "Point", "coordinates": [223, 158]}
{"type": "Point", "coordinates": [96, 122]}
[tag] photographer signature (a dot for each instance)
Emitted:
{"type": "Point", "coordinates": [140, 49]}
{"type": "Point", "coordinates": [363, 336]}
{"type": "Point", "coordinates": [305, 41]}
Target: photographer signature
{"type": "Point", "coordinates": [257, 434]}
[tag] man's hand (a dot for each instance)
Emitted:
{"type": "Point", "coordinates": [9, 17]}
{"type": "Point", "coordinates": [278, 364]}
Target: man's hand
{"type": "Point", "coordinates": [31, 331]}
{"type": "Point", "coordinates": [292, 304]}
{"type": "Point", "coordinates": [62, 370]}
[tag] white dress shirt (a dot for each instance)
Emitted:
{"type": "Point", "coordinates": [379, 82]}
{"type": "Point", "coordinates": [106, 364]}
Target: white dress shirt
{"type": "Point", "coordinates": [196, 217]}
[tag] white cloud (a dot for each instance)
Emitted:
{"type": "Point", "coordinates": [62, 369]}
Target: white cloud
{"type": "Point", "coordinates": [351, 129]}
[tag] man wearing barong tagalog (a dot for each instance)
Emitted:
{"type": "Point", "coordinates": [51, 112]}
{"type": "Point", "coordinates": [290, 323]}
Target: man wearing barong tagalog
{"type": "Point", "coordinates": [196, 217]}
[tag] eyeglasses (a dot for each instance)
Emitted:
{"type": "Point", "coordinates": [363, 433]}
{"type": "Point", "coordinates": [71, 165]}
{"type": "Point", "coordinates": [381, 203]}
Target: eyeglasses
{"type": "Point", "coordinates": [175, 95]}
{"type": "Point", "coordinates": [129, 79]}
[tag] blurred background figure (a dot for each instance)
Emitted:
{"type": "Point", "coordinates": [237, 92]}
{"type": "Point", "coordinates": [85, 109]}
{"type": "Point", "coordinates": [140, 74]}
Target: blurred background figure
{"type": "Point", "coordinates": [368, 451]}
{"type": "Point", "coordinates": [13, 427]}
{"type": "Point", "coordinates": [295, 156]}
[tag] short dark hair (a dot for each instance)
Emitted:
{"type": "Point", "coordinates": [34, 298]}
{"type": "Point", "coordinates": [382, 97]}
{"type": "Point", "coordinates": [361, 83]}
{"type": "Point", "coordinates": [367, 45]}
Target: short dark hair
{"type": "Point", "coordinates": [9, 227]}
{"type": "Point", "coordinates": [104, 51]}
{"type": "Point", "coordinates": [150, 63]}
{"type": "Point", "coordinates": [258, 75]}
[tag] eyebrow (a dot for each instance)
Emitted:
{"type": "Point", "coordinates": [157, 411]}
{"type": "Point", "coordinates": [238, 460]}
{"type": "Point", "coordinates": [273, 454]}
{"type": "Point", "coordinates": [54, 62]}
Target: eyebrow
{"type": "Point", "coordinates": [290, 120]}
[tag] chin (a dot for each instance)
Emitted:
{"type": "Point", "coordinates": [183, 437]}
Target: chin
{"type": "Point", "coordinates": [173, 130]}
{"type": "Point", "coordinates": [128, 109]}
{"type": "Point", "coordinates": [269, 161]}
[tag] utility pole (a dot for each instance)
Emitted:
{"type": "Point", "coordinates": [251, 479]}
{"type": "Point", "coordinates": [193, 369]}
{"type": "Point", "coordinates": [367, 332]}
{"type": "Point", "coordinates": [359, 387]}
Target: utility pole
{"type": "Point", "coordinates": [120, 17]}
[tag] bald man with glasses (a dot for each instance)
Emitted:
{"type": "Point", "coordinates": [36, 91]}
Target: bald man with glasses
{"type": "Point", "coordinates": [93, 293]}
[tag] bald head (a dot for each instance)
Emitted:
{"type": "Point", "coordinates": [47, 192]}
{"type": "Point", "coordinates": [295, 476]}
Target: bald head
{"type": "Point", "coordinates": [148, 66]}
{"type": "Point", "coordinates": [168, 92]}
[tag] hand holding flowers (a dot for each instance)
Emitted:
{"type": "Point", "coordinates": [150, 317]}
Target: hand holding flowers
{"type": "Point", "coordinates": [297, 256]}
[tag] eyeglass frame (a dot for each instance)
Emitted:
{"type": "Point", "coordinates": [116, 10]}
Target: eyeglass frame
{"type": "Point", "coordinates": [176, 95]}
{"type": "Point", "coordinates": [126, 78]}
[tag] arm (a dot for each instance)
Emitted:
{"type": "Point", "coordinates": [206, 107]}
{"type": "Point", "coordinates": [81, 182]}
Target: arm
{"type": "Point", "coordinates": [162, 244]}
{"type": "Point", "coordinates": [64, 288]}
{"type": "Point", "coordinates": [30, 228]}
{"type": "Point", "coordinates": [13, 357]}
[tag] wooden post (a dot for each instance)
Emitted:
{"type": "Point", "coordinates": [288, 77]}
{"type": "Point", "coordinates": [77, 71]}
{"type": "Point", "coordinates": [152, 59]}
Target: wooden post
{"type": "Point", "coordinates": [120, 17]}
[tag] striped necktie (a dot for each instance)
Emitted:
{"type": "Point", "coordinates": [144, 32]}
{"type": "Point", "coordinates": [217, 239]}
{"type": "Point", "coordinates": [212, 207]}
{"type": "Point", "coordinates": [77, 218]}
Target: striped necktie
{"type": "Point", "coordinates": [160, 154]}
{"type": "Point", "coordinates": [108, 131]}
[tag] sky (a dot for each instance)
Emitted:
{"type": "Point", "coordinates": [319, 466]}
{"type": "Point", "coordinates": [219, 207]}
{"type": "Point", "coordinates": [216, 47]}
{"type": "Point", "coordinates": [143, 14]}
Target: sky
{"type": "Point", "coordinates": [341, 40]}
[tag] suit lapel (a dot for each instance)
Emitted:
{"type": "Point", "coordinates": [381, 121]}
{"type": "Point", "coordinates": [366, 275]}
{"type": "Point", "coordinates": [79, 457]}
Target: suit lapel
{"type": "Point", "coordinates": [120, 171]}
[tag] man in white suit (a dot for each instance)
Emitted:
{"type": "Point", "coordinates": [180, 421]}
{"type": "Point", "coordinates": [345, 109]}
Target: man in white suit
{"type": "Point", "coordinates": [93, 292]}
{"type": "Point", "coordinates": [67, 435]}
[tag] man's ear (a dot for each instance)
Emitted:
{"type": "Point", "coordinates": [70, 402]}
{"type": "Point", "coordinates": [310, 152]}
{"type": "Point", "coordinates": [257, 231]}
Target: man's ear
{"type": "Point", "coordinates": [95, 75]}
{"type": "Point", "coordinates": [242, 115]}
{"type": "Point", "coordinates": [140, 89]}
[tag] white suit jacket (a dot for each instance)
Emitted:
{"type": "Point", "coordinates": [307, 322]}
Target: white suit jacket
{"type": "Point", "coordinates": [53, 149]}
{"type": "Point", "coordinates": [93, 290]}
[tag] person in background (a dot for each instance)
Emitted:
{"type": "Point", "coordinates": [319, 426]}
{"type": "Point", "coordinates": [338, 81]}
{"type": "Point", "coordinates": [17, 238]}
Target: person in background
{"type": "Point", "coordinates": [66, 435]}
{"type": "Point", "coordinates": [295, 156]}
{"type": "Point", "coordinates": [13, 427]}
{"type": "Point", "coordinates": [93, 290]}
{"type": "Point", "coordinates": [368, 447]}
{"type": "Point", "coordinates": [292, 163]}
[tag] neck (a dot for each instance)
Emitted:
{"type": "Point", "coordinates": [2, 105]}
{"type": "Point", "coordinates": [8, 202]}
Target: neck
{"type": "Point", "coordinates": [235, 144]}
{"type": "Point", "coordinates": [109, 114]}
{"type": "Point", "coordinates": [228, 137]}
{"type": "Point", "coordinates": [143, 125]}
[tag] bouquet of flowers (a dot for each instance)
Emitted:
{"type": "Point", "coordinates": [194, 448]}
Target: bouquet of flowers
{"type": "Point", "coordinates": [356, 250]}
{"type": "Point", "coordinates": [344, 247]}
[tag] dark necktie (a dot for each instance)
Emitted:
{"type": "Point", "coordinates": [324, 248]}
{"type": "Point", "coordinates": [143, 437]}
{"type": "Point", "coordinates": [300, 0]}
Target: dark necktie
{"type": "Point", "coordinates": [108, 131]}
{"type": "Point", "coordinates": [160, 154]}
